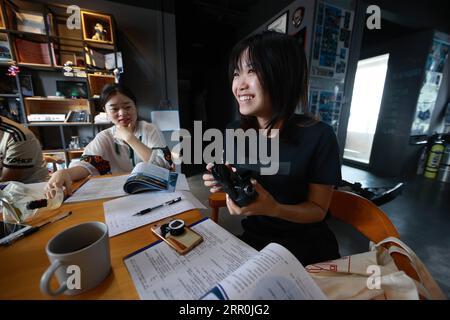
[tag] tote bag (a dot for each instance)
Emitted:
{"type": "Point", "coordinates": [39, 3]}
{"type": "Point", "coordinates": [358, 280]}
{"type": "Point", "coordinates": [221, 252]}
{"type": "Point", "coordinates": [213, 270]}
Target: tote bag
{"type": "Point", "coordinates": [374, 275]}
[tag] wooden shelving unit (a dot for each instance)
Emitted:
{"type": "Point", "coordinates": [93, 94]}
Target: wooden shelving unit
{"type": "Point", "coordinates": [58, 45]}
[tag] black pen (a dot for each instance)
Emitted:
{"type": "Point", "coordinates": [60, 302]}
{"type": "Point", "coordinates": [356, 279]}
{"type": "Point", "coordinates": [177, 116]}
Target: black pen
{"type": "Point", "coordinates": [140, 213]}
{"type": "Point", "coordinates": [37, 228]}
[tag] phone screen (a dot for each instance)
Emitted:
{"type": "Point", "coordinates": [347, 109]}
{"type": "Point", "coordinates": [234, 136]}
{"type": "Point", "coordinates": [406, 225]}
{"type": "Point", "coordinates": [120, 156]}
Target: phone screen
{"type": "Point", "coordinates": [7, 229]}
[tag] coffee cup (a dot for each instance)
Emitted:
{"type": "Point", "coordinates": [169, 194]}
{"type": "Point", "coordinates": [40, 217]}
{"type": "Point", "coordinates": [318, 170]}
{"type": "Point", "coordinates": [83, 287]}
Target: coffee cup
{"type": "Point", "coordinates": [79, 257]}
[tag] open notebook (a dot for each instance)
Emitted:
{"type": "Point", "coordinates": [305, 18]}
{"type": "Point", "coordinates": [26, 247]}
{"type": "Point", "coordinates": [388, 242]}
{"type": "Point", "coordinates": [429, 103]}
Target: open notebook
{"type": "Point", "coordinates": [221, 267]}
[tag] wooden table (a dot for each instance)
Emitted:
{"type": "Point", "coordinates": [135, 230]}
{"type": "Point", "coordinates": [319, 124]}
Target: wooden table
{"type": "Point", "coordinates": [23, 263]}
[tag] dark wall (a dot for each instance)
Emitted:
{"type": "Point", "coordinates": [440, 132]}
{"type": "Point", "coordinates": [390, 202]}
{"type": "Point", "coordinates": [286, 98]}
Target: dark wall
{"type": "Point", "coordinates": [259, 14]}
{"type": "Point", "coordinates": [204, 45]}
{"type": "Point", "coordinates": [430, 14]}
{"type": "Point", "coordinates": [391, 153]}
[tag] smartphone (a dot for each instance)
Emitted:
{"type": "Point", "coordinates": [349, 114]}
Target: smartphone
{"type": "Point", "coordinates": [9, 231]}
{"type": "Point", "coordinates": [183, 241]}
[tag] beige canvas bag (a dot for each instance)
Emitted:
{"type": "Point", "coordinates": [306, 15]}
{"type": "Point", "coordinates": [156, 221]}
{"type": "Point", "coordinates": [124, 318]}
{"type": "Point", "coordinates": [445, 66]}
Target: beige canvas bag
{"type": "Point", "coordinates": [374, 275]}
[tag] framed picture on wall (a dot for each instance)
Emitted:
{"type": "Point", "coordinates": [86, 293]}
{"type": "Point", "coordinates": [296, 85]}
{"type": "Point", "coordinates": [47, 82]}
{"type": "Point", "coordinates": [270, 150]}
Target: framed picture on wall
{"type": "Point", "coordinates": [97, 27]}
{"type": "Point", "coordinates": [280, 23]}
{"type": "Point", "coordinates": [26, 85]}
{"type": "Point", "coordinates": [297, 17]}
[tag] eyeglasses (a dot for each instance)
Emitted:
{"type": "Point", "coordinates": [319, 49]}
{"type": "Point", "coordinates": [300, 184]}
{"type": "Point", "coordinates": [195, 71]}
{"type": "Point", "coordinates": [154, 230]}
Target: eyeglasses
{"type": "Point", "coordinates": [115, 109]}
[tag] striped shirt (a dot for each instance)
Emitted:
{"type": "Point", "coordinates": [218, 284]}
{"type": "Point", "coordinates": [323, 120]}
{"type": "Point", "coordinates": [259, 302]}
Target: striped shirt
{"type": "Point", "coordinates": [19, 149]}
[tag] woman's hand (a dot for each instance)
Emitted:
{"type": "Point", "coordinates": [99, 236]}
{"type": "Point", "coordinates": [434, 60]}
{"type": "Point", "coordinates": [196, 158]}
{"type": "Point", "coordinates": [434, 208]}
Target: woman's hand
{"type": "Point", "coordinates": [209, 181]}
{"type": "Point", "coordinates": [264, 204]}
{"type": "Point", "coordinates": [125, 133]}
{"type": "Point", "coordinates": [58, 179]}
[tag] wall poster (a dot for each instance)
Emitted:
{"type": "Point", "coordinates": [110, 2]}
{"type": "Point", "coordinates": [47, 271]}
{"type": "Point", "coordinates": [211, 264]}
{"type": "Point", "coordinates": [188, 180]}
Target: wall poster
{"type": "Point", "coordinates": [430, 88]}
{"type": "Point", "coordinates": [329, 61]}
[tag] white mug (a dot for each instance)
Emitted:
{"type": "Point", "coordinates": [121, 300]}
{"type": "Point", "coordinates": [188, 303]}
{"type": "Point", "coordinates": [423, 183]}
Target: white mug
{"type": "Point", "coordinates": [80, 258]}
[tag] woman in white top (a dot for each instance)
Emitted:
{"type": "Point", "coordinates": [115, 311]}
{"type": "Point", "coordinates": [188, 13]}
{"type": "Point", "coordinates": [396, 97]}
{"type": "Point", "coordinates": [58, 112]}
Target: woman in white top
{"type": "Point", "coordinates": [119, 148]}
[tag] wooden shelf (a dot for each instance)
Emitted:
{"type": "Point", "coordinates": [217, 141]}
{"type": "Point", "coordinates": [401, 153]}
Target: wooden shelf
{"type": "Point", "coordinates": [57, 124]}
{"type": "Point", "coordinates": [58, 67]}
{"type": "Point", "coordinates": [44, 105]}
{"type": "Point", "coordinates": [66, 38]}
{"type": "Point", "coordinates": [62, 45]}
{"type": "Point", "coordinates": [9, 95]}
{"type": "Point", "coordinates": [25, 33]}
{"type": "Point", "coordinates": [53, 151]}
{"type": "Point", "coordinates": [73, 154]}
{"type": "Point", "coordinates": [5, 62]}
{"type": "Point", "coordinates": [47, 67]}
{"type": "Point", "coordinates": [64, 124]}
{"type": "Point", "coordinates": [75, 151]}
{"type": "Point", "coordinates": [36, 98]}
{"type": "Point", "coordinates": [36, 66]}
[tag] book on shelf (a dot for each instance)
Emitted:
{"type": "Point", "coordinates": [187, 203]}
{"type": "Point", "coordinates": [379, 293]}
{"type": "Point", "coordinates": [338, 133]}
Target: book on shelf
{"type": "Point", "coordinates": [148, 177]}
{"type": "Point", "coordinates": [108, 61]}
{"type": "Point", "coordinates": [30, 21]}
{"type": "Point", "coordinates": [77, 116]}
{"type": "Point", "coordinates": [5, 50]}
{"type": "Point", "coordinates": [94, 58]}
{"type": "Point", "coordinates": [222, 267]}
{"type": "Point", "coordinates": [40, 117]}
{"type": "Point", "coordinates": [34, 52]}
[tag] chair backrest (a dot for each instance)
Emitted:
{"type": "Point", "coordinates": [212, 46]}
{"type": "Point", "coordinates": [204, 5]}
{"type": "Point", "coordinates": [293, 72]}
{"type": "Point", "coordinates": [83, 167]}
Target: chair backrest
{"type": "Point", "coordinates": [370, 221]}
{"type": "Point", "coordinates": [363, 215]}
{"type": "Point", "coordinates": [354, 210]}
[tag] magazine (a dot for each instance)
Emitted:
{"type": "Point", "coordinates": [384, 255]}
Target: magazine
{"type": "Point", "coordinates": [222, 267]}
{"type": "Point", "coordinates": [148, 177]}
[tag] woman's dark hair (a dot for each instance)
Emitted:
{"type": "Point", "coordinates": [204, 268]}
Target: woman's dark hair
{"type": "Point", "coordinates": [111, 89]}
{"type": "Point", "coordinates": [280, 64]}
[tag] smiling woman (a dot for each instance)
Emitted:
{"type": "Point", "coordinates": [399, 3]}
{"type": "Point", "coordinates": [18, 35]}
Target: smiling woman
{"type": "Point", "coordinates": [119, 148]}
{"type": "Point", "coordinates": [268, 73]}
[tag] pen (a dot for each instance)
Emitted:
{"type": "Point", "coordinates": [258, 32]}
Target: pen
{"type": "Point", "coordinates": [38, 227]}
{"type": "Point", "coordinates": [140, 213]}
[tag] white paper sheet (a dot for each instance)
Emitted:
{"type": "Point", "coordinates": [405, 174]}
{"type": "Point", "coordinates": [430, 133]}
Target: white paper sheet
{"type": "Point", "coordinates": [112, 187]}
{"type": "Point", "coordinates": [159, 272]}
{"type": "Point", "coordinates": [101, 188]}
{"type": "Point", "coordinates": [119, 212]}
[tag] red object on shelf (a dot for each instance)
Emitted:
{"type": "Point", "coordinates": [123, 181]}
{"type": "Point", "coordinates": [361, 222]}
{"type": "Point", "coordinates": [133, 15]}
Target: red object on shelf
{"type": "Point", "coordinates": [33, 52]}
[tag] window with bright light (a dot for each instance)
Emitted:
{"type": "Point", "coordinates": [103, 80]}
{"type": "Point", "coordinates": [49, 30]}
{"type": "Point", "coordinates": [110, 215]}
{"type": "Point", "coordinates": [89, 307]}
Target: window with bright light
{"type": "Point", "coordinates": [365, 106]}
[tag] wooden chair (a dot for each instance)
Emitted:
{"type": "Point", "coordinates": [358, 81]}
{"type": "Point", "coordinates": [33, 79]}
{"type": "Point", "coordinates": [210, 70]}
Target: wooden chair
{"type": "Point", "coordinates": [53, 161]}
{"type": "Point", "coordinates": [216, 201]}
{"type": "Point", "coordinates": [353, 209]}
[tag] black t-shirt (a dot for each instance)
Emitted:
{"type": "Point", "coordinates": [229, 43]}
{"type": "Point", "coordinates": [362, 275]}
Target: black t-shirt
{"type": "Point", "coordinates": [310, 154]}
